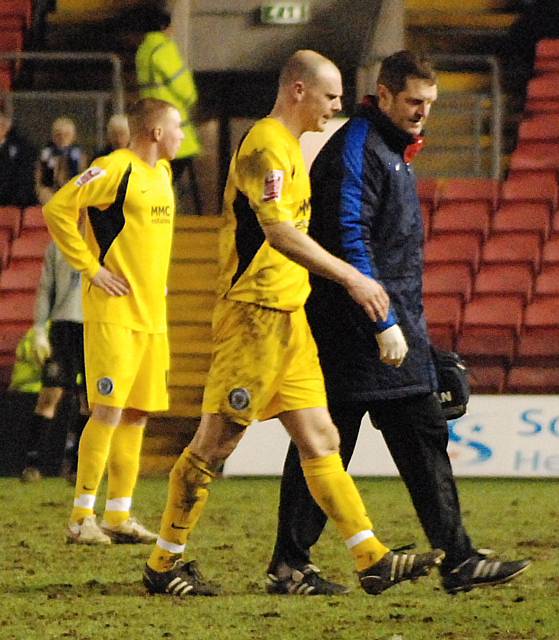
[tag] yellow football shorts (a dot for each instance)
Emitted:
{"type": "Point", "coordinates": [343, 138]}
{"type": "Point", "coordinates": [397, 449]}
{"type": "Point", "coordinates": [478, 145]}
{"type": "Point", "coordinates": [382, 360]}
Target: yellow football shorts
{"type": "Point", "coordinates": [126, 368]}
{"type": "Point", "coordinates": [264, 362]}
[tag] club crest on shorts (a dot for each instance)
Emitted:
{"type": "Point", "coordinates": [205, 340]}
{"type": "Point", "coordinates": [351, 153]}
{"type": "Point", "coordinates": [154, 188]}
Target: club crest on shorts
{"type": "Point", "coordinates": [239, 398]}
{"type": "Point", "coordinates": [105, 386]}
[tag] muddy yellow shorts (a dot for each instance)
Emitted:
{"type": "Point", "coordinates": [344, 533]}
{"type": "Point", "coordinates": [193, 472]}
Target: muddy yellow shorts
{"type": "Point", "coordinates": [264, 362]}
{"type": "Point", "coordinates": [126, 368]}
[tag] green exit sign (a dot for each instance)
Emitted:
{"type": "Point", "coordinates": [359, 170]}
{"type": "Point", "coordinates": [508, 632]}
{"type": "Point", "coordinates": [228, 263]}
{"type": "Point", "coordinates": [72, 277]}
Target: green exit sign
{"type": "Point", "coordinates": [285, 13]}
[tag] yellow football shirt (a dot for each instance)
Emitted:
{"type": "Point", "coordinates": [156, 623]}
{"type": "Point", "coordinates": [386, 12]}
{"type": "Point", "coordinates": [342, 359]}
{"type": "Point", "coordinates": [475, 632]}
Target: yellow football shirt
{"type": "Point", "coordinates": [267, 183]}
{"type": "Point", "coordinates": [130, 211]}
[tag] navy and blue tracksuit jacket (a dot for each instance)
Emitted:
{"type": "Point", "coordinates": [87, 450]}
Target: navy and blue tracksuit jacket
{"type": "Point", "coordinates": [366, 211]}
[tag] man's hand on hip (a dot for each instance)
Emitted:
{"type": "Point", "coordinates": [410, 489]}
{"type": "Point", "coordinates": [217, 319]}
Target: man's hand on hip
{"type": "Point", "coordinates": [110, 283]}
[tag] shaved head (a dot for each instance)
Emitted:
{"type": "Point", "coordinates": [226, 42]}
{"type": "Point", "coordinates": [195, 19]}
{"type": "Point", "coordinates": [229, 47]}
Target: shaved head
{"type": "Point", "coordinates": [305, 65]}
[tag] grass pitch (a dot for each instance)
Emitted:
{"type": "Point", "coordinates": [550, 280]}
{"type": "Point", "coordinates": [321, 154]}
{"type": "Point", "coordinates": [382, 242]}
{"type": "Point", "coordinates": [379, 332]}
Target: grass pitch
{"type": "Point", "coordinates": [52, 590]}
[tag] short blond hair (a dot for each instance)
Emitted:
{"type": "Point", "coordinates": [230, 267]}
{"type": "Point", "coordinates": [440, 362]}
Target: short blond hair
{"type": "Point", "coordinates": [144, 114]}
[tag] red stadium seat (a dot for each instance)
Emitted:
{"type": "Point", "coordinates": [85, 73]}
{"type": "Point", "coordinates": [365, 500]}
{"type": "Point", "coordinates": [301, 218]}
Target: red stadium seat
{"type": "Point", "coordinates": [10, 218]}
{"type": "Point", "coordinates": [466, 217]}
{"type": "Point", "coordinates": [447, 279]}
{"type": "Point", "coordinates": [513, 248]}
{"type": "Point", "coordinates": [468, 189]}
{"type": "Point", "coordinates": [550, 253]}
{"type": "Point", "coordinates": [539, 128]}
{"type": "Point", "coordinates": [10, 335]}
{"type": "Point", "coordinates": [426, 213]}
{"type": "Point", "coordinates": [555, 225]}
{"type": "Point", "coordinates": [22, 275]}
{"type": "Point", "coordinates": [523, 216]}
{"type": "Point", "coordinates": [442, 337]}
{"type": "Point", "coordinates": [495, 279]}
{"type": "Point", "coordinates": [547, 282]}
{"type": "Point", "coordinates": [535, 155]}
{"type": "Point", "coordinates": [487, 377]}
{"type": "Point", "coordinates": [536, 106]}
{"type": "Point", "coordinates": [22, 8]}
{"type": "Point", "coordinates": [542, 312]}
{"type": "Point", "coordinates": [454, 248]}
{"type": "Point", "coordinates": [443, 311]}
{"type": "Point", "coordinates": [536, 379]}
{"type": "Point", "coordinates": [16, 306]}
{"type": "Point", "coordinates": [540, 344]}
{"type": "Point", "coordinates": [32, 218]}
{"type": "Point", "coordinates": [545, 86]}
{"type": "Point", "coordinates": [5, 78]}
{"type": "Point", "coordinates": [547, 48]}
{"type": "Point", "coordinates": [547, 55]}
{"type": "Point", "coordinates": [428, 191]}
{"type": "Point", "coordinates": [490, 327]}
{"type": "Point", "coordinates": [540, 336]}
{"type": "Point", "coordinates": [32, 243]}
{"type": "Point", "coordinates": [11, 40]}
{"type": "Point", "coordinates": [531, 186]}
{"type": "Point", "coordinates": [5, 242]}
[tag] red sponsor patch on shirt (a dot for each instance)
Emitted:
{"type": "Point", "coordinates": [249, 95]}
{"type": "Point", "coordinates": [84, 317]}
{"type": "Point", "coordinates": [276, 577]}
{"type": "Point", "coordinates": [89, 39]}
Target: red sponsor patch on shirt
{"type": "Point", "coordinates": [273, 184]}
{"type": "Point", "coordinates": [90, 174]}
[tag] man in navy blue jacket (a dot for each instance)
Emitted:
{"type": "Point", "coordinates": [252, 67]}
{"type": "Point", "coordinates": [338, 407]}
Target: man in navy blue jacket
{"type": "Point", "coordinates": [365, 210]}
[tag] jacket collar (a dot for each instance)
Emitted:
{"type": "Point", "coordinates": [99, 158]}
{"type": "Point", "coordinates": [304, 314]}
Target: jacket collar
{"type": "Point", "coordinates": [407, 145]}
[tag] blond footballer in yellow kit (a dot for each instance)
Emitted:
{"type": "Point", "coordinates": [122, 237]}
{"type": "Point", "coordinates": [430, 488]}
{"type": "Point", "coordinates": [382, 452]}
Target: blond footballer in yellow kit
{"type": "Point", "coordinates": [124, 259]}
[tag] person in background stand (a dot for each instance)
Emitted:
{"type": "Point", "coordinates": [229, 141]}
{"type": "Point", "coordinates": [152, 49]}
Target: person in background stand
{"type": "Point", "coordinates": [162, 73]}
{"type": "Point", "coordinates": [118, 135]}
{"type": "Point", "coordinates": [59, 161]}
{"type": "Point", "coordinates": [58, 347]}
{"type": "Point", "coordinates": [366, 211]}
{"type": "Point", "coordinates": [17, 165]}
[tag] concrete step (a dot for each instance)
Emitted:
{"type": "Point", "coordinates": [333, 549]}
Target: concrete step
{"type": "Point", "coordinates": [460, 20]}
{"type": "Point", "coordinates": [463, 82]}
{"type": "Point", "coordinates": [198, 223]}
{"type": "Point", "coordinates": [457, 6]}
{"type": "Point", "coordinates": [179, 312]}
{"type": "Point", "coordinates": [187, 275]}
{"type": "Point", "coordinates": [191, 361]}
{"type": "Point", "coordinates": [184, 332]}
{"type": "Point", "coordinates": [191, 379]}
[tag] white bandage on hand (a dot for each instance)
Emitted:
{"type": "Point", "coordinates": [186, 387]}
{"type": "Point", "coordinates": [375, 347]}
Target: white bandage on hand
{"type": "Point", "coordinates": [393, 346]}
{"type": "Point", "coordinates": [41, 345]}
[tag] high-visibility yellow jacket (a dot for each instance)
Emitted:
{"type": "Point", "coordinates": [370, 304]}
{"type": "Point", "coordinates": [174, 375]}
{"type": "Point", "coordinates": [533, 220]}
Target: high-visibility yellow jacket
{"type": "Point", "coordinates": [161, 73]}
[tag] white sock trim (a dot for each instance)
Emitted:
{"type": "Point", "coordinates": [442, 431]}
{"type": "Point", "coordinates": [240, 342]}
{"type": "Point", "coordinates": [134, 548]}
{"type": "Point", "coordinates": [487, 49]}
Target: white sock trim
{"type": "Point", "coordinates": [358, 538]}
{"type": "Point", "coordinates": [85, 501]}
{"type": "Point", "coordinates": [170, 546]}
{"type": "Point", "coordinates": [118, 504]}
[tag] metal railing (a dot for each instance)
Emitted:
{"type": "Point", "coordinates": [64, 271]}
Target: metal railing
{"type": "Point", "coordinates": [34, 110]}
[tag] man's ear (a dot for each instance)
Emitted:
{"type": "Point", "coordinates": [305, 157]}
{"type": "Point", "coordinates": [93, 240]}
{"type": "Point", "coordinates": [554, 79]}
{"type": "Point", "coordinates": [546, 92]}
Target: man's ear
{"type": "Point", "coordinates": [384, 96]}
{"type": "Point", "coordinates": [156, 133]}
{"type": "Point", "coordinates": [298, 90]}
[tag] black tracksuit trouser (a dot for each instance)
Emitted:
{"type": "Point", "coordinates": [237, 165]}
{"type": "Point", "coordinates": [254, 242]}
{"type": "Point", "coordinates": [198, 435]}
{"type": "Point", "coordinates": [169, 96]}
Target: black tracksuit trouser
{"type": "Point", "coordinates": [416, 434]}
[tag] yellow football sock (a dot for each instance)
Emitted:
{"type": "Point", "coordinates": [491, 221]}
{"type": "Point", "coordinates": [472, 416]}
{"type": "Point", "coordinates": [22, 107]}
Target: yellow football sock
{"type": "Point", "coordinates": [123, 467]}
{"type": "Point", "coordinates": [186, 499]}
{"type": "Point", "coordinates": [95, 442]}
{"type": "Point", "coordinates": [336, 494]}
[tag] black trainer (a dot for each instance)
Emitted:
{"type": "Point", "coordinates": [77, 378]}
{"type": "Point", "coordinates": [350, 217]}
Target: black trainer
{"type": "Point", "coordinates": [184, 579]}
{"type": "Point", "coordinates": [307, 582]}
{"type": "Point", "coordinates": [481, 571]}
{"type": "Point", "coordinates": [396, 567]}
